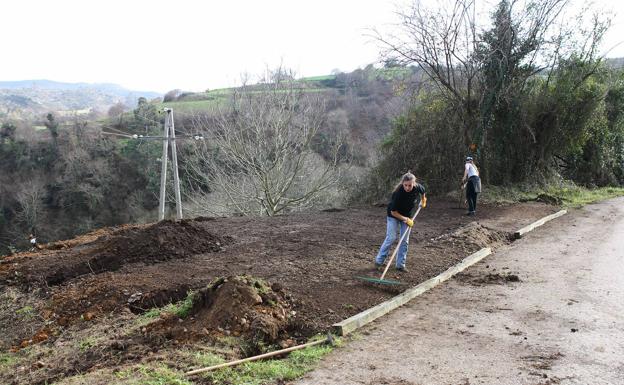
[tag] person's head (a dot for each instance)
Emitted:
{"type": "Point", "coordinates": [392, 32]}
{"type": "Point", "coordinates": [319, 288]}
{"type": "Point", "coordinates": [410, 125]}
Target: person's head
{"type": "Point", "coordinates": [469, 159]}
{"type": "Point", "coordinates": [408, 181]}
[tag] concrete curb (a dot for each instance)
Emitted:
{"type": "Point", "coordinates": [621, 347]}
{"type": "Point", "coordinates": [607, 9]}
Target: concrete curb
{"type": "Point", "coordinates": [357, 321]}
{"type": "Point", "coordinates": [518, 234]}
{"type": "Point", "coordinates": [350, 324]}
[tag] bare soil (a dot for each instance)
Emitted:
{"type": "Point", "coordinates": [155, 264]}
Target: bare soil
{"type": "Point", "coordinates": [268, 281]}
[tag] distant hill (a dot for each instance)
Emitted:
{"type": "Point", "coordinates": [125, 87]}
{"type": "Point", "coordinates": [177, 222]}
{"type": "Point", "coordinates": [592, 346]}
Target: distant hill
{"type": "Point", "coordinates": [27, 99]}
{"type": "Point", "coordinates": [615, 62]}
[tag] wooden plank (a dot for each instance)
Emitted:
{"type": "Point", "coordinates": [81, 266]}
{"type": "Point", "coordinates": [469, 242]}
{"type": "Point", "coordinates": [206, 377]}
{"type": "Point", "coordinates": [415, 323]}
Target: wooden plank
{"type": "Point", "coordinates": [350, 324]}
{"type": "Point", "coordinates": [532, 226]}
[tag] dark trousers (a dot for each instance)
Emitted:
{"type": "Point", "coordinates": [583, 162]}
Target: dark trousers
{"type": "Point", "coordinates": [472, 192]}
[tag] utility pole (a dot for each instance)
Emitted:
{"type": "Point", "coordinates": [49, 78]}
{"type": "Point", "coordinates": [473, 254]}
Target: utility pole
{"type": "Point", "coordinates": [163, 170]}
{"type": "Point", "coordinates": [174, 159]}
{"type": "Point", "coordinates": [168, 136]}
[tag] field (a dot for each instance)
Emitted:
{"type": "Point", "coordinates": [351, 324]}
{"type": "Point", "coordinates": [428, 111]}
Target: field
{"type": "Point", "coordinates": [142, 304]}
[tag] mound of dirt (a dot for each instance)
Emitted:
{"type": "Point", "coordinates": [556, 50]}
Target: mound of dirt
{"type": "Point", "coordinates": [86, 238]}
{"type": "Point", "coordinates": [236, 305]}
{"type": "Point", "coordinates": [488, 279]}
{"type": "Point", "coordinates": [476, 236]}
{"type": "Point", "coordinates": [159, 242]}
{"type": "Point", "coordinates": [147, 244]}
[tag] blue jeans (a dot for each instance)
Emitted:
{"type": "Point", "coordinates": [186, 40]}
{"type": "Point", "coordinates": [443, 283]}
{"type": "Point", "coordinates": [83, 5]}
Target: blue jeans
{"type": "Point", "coordinates": [392, 229]}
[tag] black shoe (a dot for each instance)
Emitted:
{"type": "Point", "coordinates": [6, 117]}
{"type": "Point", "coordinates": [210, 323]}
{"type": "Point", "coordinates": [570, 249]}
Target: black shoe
{"type": "Point", "coordinates": [402, 269]}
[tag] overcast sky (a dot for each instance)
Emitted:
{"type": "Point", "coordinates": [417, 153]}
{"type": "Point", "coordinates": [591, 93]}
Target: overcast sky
{"type": "Point", "coordinates": [197, 44]}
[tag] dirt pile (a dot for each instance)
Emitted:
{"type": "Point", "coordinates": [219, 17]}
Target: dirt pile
{"type": "Point", "coordinates": [147, 244]}
{"type": "Point", "coordinates": [238, 306]}
{"type": "Point", "coordinates": [161, 241]}
{"type": "Point", "coordinates": [475, 236]}
{"type": "Point", "coordinates": [488, 279]}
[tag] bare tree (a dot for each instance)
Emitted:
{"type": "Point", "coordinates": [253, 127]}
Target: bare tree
{"type": "Point", "coordinates": [31, 207]}
{"type": "Point", "coordinates": [258, 155]}
{"type": "Point", "coordinates": [482, 70]}
{"type": "Point", "coordinates": [442, 41]}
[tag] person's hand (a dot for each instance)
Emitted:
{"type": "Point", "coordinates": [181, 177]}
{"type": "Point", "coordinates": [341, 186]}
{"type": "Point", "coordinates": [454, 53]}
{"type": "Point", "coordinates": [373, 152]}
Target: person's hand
{"type": "Point", "coordinates": [423, 202]}
{"type": "Point", "coordinates": [409, 222]}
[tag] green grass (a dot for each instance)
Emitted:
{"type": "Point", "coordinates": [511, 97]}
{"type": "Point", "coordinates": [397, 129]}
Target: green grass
{"type": "Point", "coordinates": [569, 194]}
{"type": "Point", "coordinates": [576, 197]}
{"type": "Point", "coordinates": [213, 100]}
{"type": "Point", "coordinates": [146, 375]}
{"type": "Point", "coordinates": [269, 371]}
{"type": "Point", "coordinates": [195, 105]}
{"type": "Point", "coordinates": [392, 73]}
{"type": "Point", "coordinates": [7, 359]}
{"type": "Point", "coordinates": [86, 344]}
{"type": "Point", "coordinates": [26, 311]}
{"type": "Point", "coordinates": [318, 78]}
{"type": "Point", "coordinates": [180, 309]}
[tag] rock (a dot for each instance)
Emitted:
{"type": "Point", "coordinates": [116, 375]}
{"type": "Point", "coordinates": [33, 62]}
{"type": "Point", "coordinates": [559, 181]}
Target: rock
{"type": "Point", "coordinates": [38, 364]}
{"type": "Point", "coordinates": [88, 316]}
{"type": "Point", "coordinates": [118, 345]}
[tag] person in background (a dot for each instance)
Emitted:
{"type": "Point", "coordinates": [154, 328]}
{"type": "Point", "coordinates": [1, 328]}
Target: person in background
{"type": "Point", "coordinates": [473, 184]}
{"type": "Point", "coordinates": [398, 218]}
{"type": "Point", "coordinates": [33, 242]}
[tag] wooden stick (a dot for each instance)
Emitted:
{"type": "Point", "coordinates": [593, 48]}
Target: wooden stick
{"type": "Point", "coordinates": [406, 233]}
{"type": "Point", "coordinates": [532, 226]}
{"type": "Point", "coordinates": [329, 339]}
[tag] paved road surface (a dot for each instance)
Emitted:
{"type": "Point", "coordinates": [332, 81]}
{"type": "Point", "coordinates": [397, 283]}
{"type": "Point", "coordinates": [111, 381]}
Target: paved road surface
{"type": "Point", "coordinates": [563, 323]}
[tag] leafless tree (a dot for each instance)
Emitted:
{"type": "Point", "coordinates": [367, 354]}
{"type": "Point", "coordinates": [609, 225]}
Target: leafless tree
{"type": "Point", "coordinates": [482, 69]}
{"type": "Point", "coordinates": [258, 156]}
{"type": "Point", "coordinates": [447, 42]}
{"type": "Point", "coordinates": [442, 41]}
{"type": "Point", "coordinates": [30, 197]}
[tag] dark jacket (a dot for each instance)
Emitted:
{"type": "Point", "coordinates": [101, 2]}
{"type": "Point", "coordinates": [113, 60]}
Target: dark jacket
{"type": "Point", "coordinates": [403, 201]}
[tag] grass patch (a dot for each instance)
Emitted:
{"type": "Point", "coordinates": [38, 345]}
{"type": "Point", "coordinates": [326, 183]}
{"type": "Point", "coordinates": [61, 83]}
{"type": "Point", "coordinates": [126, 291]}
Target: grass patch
{"type": "Point", "coordinates": [180, 309]}
{"type": "Point", "coordinates": [86, 344]}
{"type": "Point", "coordinates": [191, 106]}
{"type": "Point", "coordinates": [318, 78]}
{"type": "Point", "coordinates": [26, 311]}
{"type": "Point", "coordinates": [206, 359]}
{"type": "Point", "coordinates": [145, 375]}
{"type": "Point", "coordinates": [580, 196]}
{"type": "Point", "coordinates": [293, 366]}
{"type": "Point", "coordinates": [564, 194]}
{"type": "Point", "coordinates": [7, 359]}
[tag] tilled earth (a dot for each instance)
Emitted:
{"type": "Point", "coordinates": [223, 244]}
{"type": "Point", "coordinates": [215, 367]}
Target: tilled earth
{"type": "Point", "coordinates": [268, 281]}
